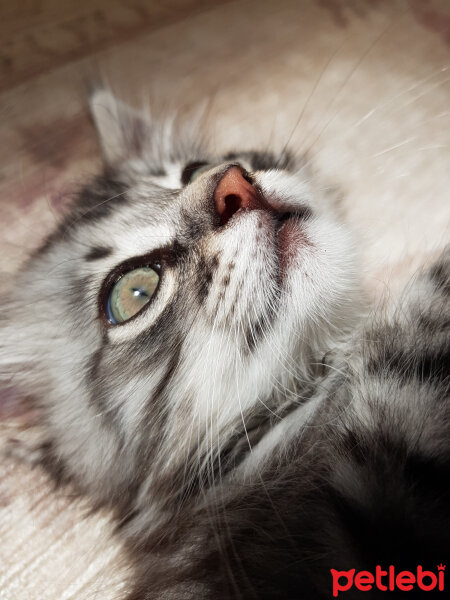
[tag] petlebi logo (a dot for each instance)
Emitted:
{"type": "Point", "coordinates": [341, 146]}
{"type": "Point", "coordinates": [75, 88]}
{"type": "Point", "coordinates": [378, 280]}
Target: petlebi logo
{"type": "Point", "coordinates": [388, 579]}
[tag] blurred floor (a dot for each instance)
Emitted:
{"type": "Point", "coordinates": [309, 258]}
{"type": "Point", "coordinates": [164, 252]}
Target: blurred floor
{"type": "Point", "coordinates": [362, 86]}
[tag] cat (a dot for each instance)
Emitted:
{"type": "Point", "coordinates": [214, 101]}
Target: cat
{"type": "Point", "coordinates": [193, 346]}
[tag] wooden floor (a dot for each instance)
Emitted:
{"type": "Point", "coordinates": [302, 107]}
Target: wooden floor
{"type": "Point", "coordinates": [362, 87]}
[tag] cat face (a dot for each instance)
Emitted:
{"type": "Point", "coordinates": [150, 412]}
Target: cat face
{"type": "Point", "coordinates": [180, 302]}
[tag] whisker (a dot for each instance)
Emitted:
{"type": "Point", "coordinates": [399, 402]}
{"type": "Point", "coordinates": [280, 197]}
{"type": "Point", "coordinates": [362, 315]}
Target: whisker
{"type": "Point", "coordinates": [351, 73]}
{"type": "Point", "coordinates": [310, 96]}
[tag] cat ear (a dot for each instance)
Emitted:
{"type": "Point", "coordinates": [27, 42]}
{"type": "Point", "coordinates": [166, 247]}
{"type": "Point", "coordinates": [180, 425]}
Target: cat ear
{"type": "Point", "coordinates": [123, 131]}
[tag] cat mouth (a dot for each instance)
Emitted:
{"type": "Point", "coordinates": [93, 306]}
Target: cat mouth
{"type": "Point", "coordinates": [236, 194]}
{"type": "Point", "coordinates": [289, 238]}
{"type": "Point", "coordinates": [282, 219]}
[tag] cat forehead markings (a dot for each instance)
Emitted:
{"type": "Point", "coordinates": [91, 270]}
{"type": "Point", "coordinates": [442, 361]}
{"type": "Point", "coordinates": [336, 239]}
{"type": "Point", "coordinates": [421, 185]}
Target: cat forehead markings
{"type": "Point", "coordinates": [98, 252]}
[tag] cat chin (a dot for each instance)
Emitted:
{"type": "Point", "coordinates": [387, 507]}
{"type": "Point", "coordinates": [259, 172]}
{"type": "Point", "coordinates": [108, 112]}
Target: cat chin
{"type": "Point", "coordinates": [291, 239]}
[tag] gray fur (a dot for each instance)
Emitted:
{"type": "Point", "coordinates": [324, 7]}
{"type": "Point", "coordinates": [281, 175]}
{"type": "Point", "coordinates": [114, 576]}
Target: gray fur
{"type": "Point", "coordinates": [235, 401]}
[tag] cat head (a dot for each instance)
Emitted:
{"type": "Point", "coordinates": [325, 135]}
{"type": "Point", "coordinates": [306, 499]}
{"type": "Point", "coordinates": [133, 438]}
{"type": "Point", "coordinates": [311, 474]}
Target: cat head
{"type": "Point", "coordinates": [184, 298]}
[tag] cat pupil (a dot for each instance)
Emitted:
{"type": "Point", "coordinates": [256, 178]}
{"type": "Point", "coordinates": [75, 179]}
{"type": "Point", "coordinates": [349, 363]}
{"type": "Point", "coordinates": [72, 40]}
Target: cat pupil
{"type": "Point", "coordinates": [139, 292]}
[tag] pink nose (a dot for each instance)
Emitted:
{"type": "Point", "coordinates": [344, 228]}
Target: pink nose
{"type": "Point", "coordinates": [234, 192]}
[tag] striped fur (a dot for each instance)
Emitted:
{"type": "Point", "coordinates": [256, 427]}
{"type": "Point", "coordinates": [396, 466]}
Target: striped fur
{"type": "Point", "coordinates": [249, 432]}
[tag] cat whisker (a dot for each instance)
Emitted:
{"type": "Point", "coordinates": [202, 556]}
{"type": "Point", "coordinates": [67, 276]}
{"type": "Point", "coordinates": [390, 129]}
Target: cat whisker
{"type": "Point", "coordinates": [310, 96]}
{"type": "Point", "coordinates": [351, 73]}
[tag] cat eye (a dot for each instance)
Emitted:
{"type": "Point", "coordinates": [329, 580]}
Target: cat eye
{"type": "Point", "coordinates": [192, 170]}
{"type": "Point", "coordinates": [131, 293]}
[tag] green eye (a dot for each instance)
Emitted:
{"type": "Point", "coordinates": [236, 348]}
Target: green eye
{"type": "Point", "coordinates": [131, 293]}
{"type": "Point", "coordinates": [198, 172]}
{"type": "Point", "coordinates": [192, 170]}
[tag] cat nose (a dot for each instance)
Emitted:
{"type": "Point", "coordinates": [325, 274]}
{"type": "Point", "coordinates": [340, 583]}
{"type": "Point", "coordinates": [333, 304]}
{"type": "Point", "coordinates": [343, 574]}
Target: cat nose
{"type": "Point", "coordinates": [234, 192]}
